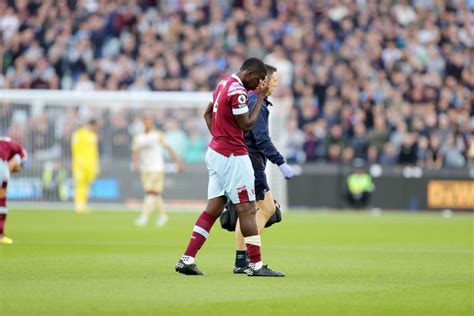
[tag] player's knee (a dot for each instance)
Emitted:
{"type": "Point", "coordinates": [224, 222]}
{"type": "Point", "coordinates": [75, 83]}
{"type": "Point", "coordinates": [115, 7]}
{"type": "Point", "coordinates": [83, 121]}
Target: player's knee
{"type": "Point", "coordinates": [215, 206]}
{"type": "Point", "coordinates": [252, 211]}
{"type": "Point", "coordinates": [246, 210]}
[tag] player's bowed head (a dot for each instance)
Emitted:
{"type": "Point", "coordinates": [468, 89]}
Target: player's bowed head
{"type": "Point", "coordinates": [252, 73]}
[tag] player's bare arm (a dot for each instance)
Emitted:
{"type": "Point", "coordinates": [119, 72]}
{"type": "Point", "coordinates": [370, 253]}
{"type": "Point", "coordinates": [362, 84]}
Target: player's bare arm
{"type": "Point", "coordinates": [208, 116]}
{"type": "Point", "coordinates": [174, 156]}
{"type": "Point", "coordinates": [247, 120]}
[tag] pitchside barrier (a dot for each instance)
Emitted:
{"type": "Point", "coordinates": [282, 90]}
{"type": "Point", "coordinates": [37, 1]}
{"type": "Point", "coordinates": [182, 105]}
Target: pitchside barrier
{"type": "Point", "coordinates": [396, 188]}
{"type": "Point", "coordinates": [43, 121]}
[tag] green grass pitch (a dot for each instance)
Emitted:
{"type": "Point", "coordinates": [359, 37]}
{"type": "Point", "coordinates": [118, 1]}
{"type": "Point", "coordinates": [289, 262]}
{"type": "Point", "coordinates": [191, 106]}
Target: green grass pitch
{"type": "Point", "coordinates": [336, 264]}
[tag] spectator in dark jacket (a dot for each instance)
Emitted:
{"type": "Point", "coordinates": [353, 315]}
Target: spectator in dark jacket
{"type": "Point", "coordinates": [408, 151]}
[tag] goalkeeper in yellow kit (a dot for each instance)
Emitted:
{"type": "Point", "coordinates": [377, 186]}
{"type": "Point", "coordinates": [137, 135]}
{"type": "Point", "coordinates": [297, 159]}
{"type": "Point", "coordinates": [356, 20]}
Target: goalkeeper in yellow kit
{"type": "Point", "coordinates": [85, 162]}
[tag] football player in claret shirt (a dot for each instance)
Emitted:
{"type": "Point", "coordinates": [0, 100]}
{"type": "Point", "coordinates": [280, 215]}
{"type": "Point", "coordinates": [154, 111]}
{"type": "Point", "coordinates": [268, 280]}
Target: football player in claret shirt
{"type": "Point", "coordinates": [12, 156]}
{"type": "Point", "coordinates": [261, 149]}
{"type": "Point", "coordinates": [230, 170]}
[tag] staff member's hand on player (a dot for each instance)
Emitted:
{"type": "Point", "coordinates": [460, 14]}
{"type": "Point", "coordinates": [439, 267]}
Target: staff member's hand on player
{"type": "Point", "coordinates": [286, 171]}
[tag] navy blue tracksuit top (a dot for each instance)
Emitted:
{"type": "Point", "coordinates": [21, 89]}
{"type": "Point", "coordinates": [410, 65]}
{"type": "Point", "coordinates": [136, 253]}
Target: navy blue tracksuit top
{"type": "Point", "coordinates": [258, 140]}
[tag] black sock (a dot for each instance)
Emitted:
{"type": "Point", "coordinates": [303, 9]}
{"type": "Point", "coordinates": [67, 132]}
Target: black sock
{"type": "Point", "coordinates": [241, 258]}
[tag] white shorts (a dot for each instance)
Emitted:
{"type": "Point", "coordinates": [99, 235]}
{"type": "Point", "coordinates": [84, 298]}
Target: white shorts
{"type": "Point", "coordinates": [230, 176]}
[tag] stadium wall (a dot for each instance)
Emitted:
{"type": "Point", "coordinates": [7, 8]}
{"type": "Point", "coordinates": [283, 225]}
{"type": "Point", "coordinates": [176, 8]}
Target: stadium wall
{"type": "Point", "coordinates": [323, 186]}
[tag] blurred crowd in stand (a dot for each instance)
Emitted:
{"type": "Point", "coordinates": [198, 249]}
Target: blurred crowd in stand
{"type": "Point", "coordinates": [387, 81]}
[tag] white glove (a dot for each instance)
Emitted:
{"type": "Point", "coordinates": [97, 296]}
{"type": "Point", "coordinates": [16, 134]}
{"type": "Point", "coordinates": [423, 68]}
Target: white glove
{"type": "Point", "coordinates": [286, 171]}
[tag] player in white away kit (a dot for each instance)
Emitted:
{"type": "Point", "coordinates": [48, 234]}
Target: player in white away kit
{"type": "Point", "coordinates": [230, 170]}
{"type": "Point", "coordinates": [147, 157]}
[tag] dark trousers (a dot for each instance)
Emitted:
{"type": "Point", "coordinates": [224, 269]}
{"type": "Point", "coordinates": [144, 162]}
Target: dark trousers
{"type": "Point", "coordinates": [358, 201]}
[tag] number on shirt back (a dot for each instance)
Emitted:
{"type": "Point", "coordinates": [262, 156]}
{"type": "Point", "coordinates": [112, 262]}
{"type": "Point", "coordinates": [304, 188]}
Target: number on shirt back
{"type": "Point", "coordinates": [215, 103]}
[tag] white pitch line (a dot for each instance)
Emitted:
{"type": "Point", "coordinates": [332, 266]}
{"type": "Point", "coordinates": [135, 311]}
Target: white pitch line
{"type": "Point", "coordinates": [378, 249]}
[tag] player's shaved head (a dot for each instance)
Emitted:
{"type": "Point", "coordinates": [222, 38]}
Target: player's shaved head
{"type": "Point", "coordinates": [251, 72]}
{"type": "Point", "coordinates": [254, 65]}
